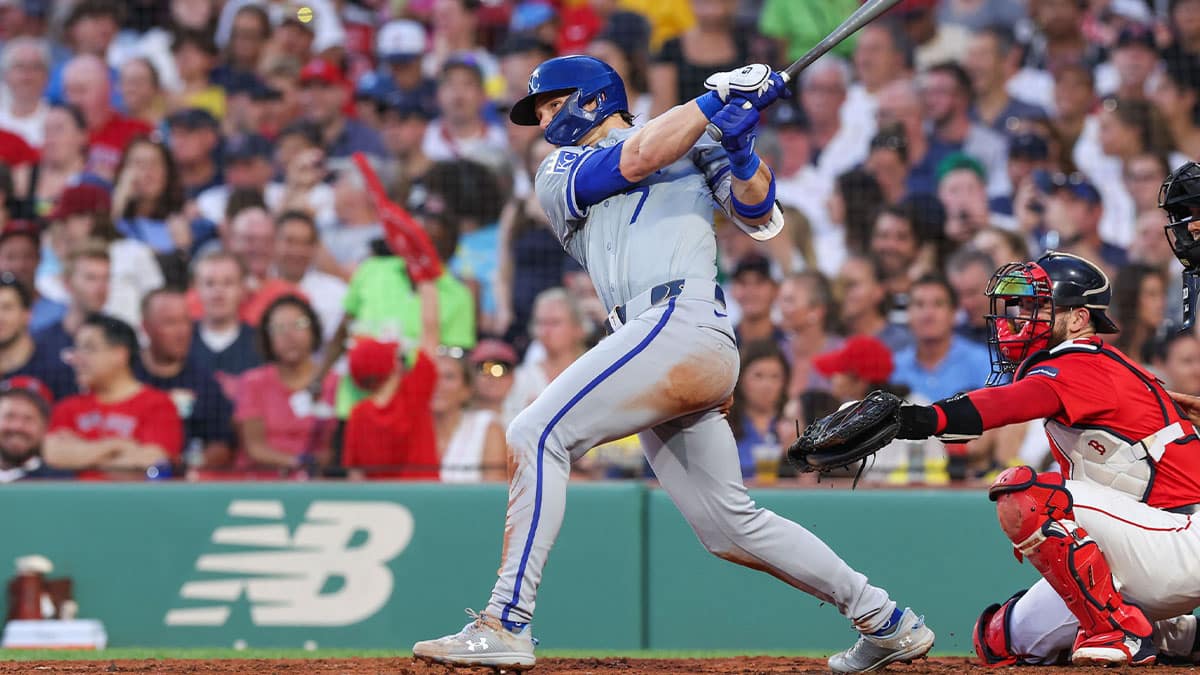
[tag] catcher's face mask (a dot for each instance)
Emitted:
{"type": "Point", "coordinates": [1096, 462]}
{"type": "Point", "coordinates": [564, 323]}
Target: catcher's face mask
{"type": "Point", "coordinates": [1021, 318]}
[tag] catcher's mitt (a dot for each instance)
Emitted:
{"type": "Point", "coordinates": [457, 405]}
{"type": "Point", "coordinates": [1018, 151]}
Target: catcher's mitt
{"type": "Point", "coordinates": [849, 435]}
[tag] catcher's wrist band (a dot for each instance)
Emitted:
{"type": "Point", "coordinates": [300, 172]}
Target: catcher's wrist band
{"type": "Point", "coordinates": [962, 418]}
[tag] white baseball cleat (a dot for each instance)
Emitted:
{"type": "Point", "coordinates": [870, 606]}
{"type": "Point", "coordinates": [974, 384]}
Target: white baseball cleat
{"type": "Point", "coordinates": [483, 642]}
{"type": "Point", "coordinates": [1117, 648]}
{"type": "Point", "coordinates": [910, 640]}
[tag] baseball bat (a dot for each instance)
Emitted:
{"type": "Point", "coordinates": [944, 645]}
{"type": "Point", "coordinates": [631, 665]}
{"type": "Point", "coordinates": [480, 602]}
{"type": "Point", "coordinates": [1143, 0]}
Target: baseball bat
{"type": "Point", "coordinates": [865, 14]}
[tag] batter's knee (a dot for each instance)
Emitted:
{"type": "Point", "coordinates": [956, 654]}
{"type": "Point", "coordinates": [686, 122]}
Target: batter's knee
{"type": "Point", "coordinates": [1026, 500]}
{"type": "Point", "coordinates": [993, 634]}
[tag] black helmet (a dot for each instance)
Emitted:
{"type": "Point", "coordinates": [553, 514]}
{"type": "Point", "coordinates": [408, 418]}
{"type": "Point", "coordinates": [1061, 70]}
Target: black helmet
{"type": "Point", "coordinates": [1076, 282]}
{"type": "Point", "coordinates": [1179, 195]}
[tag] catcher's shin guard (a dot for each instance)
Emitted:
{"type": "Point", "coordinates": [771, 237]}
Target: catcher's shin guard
{"type": "Point", "coordinates": [993, 635]}
{"type": "Point", "coordinates": [1035, 512]}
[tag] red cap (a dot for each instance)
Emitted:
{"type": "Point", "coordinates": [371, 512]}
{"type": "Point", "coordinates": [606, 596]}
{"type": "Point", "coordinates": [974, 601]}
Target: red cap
{"type": "Point", "coordinates": [28, 385]}
{"type": "Point", "coordinates": [862, 356]}
{"type": "Point", "coordinates": [492, 349]}
{"type": "Point", "coordinates": [320, 70]}
{"type": "Point", "coordinates": [913, 6]}
{"type": "Point", "coordinates": [82, 198]}
{"type": "Point", "coordinates": [371, 361]}
{"type": "Point", "coordinates": [24, 228]}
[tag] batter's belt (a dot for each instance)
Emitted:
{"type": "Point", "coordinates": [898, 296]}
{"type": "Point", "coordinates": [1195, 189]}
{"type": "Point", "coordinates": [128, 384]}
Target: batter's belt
{"type": "Point", "coordinates": [678, 288]}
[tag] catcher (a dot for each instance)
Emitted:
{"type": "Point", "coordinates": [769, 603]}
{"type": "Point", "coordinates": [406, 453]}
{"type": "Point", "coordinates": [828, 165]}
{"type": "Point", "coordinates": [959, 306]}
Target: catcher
{"type": "Point", "coordinates": [1111, 534]}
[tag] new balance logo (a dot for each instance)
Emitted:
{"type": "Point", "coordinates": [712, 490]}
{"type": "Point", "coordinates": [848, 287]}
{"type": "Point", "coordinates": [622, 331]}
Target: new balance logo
{"type": "Point", "coordinates": [343, 545]}
{"type": "Point", "coordinates": [481, 645]}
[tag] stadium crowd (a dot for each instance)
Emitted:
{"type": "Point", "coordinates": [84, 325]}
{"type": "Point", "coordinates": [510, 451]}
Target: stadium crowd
{"type": "Point", "coordinates": [194, 282]}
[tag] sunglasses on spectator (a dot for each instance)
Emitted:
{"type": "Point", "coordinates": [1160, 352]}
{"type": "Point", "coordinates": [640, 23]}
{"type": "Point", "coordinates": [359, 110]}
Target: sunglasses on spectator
{"type": "Point", "coordinates": [452, 352]}
{"type": "Point", "coordinates": [494, 368]}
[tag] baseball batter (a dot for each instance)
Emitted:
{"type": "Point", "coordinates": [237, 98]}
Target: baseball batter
{"type": "Point", "coordinates": [635, 208]}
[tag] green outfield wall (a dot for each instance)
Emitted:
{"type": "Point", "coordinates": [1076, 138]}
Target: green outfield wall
{"type": "Point", "coordinates": [381, 565]}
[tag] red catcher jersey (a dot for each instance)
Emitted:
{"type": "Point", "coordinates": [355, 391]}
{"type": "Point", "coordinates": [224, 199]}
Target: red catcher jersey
{"type": "Point", "coordinates": [1102, 389]}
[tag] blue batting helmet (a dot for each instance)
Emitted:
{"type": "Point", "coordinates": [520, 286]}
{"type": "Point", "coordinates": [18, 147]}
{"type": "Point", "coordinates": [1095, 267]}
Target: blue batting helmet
{"type": "Point", "coordinates": [587, 80]}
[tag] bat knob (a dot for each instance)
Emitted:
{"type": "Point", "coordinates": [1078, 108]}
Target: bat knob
{"type": "Point", "coordinates": [715, 133]}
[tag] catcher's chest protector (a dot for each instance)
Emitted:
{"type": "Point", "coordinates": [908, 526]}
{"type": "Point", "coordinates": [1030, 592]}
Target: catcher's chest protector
{"type": "Point", "coordinates": [1119, 428]}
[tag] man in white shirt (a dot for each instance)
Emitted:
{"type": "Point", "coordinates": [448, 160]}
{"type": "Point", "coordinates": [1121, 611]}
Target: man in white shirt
{"type": "Point", "coordinates": [26, 65]}
{"type": "Point", "coordinates": [461, 131]}
{"type": "Point", "coordinates": [883, 54]}
{"type": "Point", "coordinates": [823, 89]}
{"type": "Point", "coordinates": [296, 242]}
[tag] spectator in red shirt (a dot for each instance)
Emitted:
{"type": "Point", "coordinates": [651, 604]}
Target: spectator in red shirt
{"type": "Point", "coordinates": [391, 433]}
{"type": "Point", "coordinates": [86, 85]}
{"type": "Point", "coordinates": [120, 427]}
{"type": "Point", "coordinates": [282, 426]}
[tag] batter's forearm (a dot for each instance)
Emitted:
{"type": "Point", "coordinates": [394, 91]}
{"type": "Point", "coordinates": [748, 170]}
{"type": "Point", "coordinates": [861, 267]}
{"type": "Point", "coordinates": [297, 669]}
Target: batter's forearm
{"type": "Point", "coordinates": [662, 141]}
{"type": "Point", "coordinates": [754, 191]}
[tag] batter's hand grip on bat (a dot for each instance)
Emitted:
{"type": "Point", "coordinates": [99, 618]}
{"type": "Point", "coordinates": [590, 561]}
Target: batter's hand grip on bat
{"type": "Point", "coordinates": [715, 133]}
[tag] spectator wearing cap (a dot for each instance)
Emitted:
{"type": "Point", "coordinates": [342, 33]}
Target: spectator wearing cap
{"type": "Point", "coordinates": [82, 215]}
{"type": "Point", "coordinates": [1027, 152]}
{"type": "Point", "coordinates": [297, 243]}
{"type": "Point", "coordinates": [863, 303]}
{"type": "Point", "coordinates": [20, 254]}
{"type": "Point", "coordinates": [1071, 222]}
{"type": "Point", "coordinates": [247, 163]}
{"type": "Point", "coordinates": [1175, 92]}
{"type": "Point", "coordinates": [120, 428]}
{"type": "Point", "coordinates": [167, 363]}
{"type": "Point", "coordinates": [283, 426]}
{"type": "Point", "coordinates": [946, 89]}
{"type": "Point", "coordinates": [142, 90]}
{"type": "Point", "coordinates": [1134, 58]}
{"type": "Point", "coordinates": [25, 62]}
{"type": "Point", "coordinates": [755, 289]}
{"type": "Point", "coordinates": [86, 277]}
{"type": "Point", "coordinates": [962, 190]}
{"type": "Point", "coordinates": [461, 131]}
{"type": "Point", "coordinates": [861, 364]}
{"type": "Point", "coordinates": [391, 432]}
{"type": "Point", "coordinates": [757, 410]}
{"type": "Point", "coordinates": [221, 339]}
{"type": "Point", "coordinates": [535, 19]}
{"type": "Point", "coordinates": [624, 44]}
{"type": "Point", "coordinates": [195, 55]}
{"type": "Point", "coordinates": [807, 316]}
{"type": "Point", "coordinates": [404, 119]}
{"type": "Point", "coordinates": [20, 354]}
{"type": "Point", "coordinates": [399, 47]}
{"type": "Point", "coordinates": [969, 271]}
{"type": "Point", "coordinates": [494, 361]}
{"type": "Point", "coordinates": [940, 363]}
{"type": "Point", "coordinates": [63, 162]}
{"type": "Point", "coordinates": [325, 26]}
{"type": "Point", "coordinates": [800, 26]}
{"type": "Point", "coordinates": [882, 56]}
{"type": "Point", "coordinates": [323, 94]}
{"type": "Point", "coordinates": [24, 415]}
{"type": "Point", "coordinates": [683, 63]}
{"type": "Point", "coordinates": [993, 57]}
{"type": "Point", "coordinates": [86, 86]}
{"type": "Point", "coordinates": [194, 136]}
{"type": "Point", "coordinates": [559, 330]}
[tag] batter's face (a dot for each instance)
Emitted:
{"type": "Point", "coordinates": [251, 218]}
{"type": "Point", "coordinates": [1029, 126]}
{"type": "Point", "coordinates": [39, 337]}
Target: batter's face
{"type": "Point", "coordinates": [547, 106]}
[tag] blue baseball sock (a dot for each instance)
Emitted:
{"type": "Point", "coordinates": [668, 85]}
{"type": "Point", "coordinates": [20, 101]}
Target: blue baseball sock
{"type": "Point", "coordinates": [892, 622]}
{"type": "Point", "coordinates": [514, 626]}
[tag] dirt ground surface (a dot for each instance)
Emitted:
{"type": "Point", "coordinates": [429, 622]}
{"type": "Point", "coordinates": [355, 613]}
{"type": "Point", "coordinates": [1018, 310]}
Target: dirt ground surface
{"type": "Point", "coordinates": [749, 665]}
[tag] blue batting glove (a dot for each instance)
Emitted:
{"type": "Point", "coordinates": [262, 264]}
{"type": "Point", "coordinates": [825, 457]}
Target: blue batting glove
{"type": "Point", "coordinates": [755, 83]}
{"type": "Point", "coordinates": [738, 127]}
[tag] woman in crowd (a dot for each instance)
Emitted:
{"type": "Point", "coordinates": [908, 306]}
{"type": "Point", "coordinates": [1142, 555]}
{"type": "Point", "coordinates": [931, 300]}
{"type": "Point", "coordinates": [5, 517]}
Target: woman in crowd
{"type": "Point", "coordinates": [757, 409]}
{"type": "Point", "coordinates": [1175, 94]}
{"type": "Point", "coordinates": [82, 213]}
{"type": "Point", "coordinates": [142, 91]}
{"type": "Point", "coordinates": [148, 204]}
{"type": "Point", "coordinates": [559, 329]}
{"type": "Point", "coordinates": [712, 45]}
{"type": "Point", "coordinates": [852, 205]}
{"type": "Point", "coordinates": [64, 160]}
{"type": "Point", "coordinates": [282, 427]}
{"type": "Point", "coordinates": [470, 442]}
{"type": "Point", "coordinates": [1139, 308]}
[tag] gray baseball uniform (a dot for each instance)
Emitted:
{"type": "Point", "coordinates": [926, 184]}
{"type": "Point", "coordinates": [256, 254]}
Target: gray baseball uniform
{"type": "Point", "coordinates": [666, 372]}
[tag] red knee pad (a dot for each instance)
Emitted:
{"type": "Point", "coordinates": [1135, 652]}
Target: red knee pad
{"type": "Point", "coordinates": [1026, 500]}
{"type": "Point", "coordinates": [993, 635]}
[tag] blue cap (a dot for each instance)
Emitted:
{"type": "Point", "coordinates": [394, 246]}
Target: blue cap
{"type": "Point", "coordinates": [373, 86]}
{"type": "Point", "coordinates": [408, 104]}
{"type": "Point", "coordinates": [529, 15]}
{"type": "Point", "coordinates": [1076, 184]}
{"type": "Point", "coordinates": [193, 118]}
{"type": "Point", "coordinates": [247, 146]}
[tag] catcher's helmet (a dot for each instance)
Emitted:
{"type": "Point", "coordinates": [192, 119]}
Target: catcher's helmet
{"type": "Point", "coordinates": [587, 80]}
{"type": "Point", "coordinates": [1019, 291]}
{"type": "Point", "coordinates": [1179, 195]}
